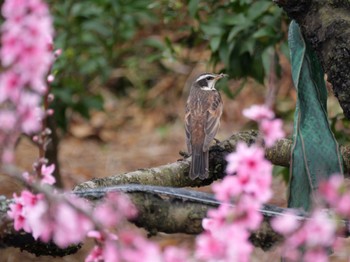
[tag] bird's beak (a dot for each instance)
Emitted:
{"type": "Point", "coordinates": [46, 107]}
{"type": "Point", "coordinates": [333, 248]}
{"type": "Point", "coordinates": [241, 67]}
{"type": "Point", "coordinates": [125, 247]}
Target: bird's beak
{"type": "Point", "coordinates": [220, 76]}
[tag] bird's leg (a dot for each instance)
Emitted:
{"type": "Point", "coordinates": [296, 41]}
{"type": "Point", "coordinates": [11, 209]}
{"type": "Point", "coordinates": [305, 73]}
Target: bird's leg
{"type": "Point", "coordinates": [184, 154]}
{"type": "Point", "coordinates": [217, 141]}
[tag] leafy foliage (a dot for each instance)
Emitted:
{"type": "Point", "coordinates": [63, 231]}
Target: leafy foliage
{"type": "Point", "coordinates": [241, 33]}
{"type": "Point", "coordinates": [94, 37]}
{"type": "Point", "coordinates": [97, 36]}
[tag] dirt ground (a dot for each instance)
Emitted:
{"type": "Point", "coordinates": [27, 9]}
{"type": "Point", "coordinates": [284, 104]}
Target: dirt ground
{"type": "Point", "coordinates": [126, 137]}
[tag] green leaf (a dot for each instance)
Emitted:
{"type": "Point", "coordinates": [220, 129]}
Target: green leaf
{"type": "Point", "coordinates": [264, 32]}
{"type": "Point", "coordinates": [212, 29]}
{"type": "Point", "coordinates": [247, 46]}
{"type": "Point", "coordinates": [64, 95]}
{"type": "Point", "coordinates": [258, 8]}
{"type": "Point", "coordinates": [266, 59]}
{"type": "Point", "coordinates": [95, 102]}
{"type": "Point", "coordinates": [154, 42]}
{"type": "Point", "coordinates": [224, 54]}
{"type": "Point", "coordinates": [193, 7]}
{"type": "Point", "coordinates": [239, 19]}
{"type": "Point", "coordinates": [214, 43]}
{"type": "Point", "coordinates": [235, 93]}
{"type": "Point", "coordinates": [235, 31]}
{"type": "Point", "coordinates": [98, 27]}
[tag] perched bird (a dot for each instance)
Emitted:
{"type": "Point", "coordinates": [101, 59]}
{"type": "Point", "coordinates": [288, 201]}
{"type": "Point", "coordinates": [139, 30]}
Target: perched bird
{"type": "Point", "coordinates": [202, 119]}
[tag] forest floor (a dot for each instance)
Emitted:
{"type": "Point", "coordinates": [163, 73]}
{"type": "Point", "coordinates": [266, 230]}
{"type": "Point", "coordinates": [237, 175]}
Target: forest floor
{"type": "Point", "coordinates": [126, 137]}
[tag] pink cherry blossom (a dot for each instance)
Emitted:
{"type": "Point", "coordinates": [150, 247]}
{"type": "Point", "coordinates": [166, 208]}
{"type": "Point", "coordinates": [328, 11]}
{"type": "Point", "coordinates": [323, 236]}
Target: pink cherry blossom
{"type": "Point", "coordinates": [320, 225]}
{"type": "Point", "coordinates": [218, 217]}
{"type": "Point", "coordinates": [16, 213]}
{"type": "Point", "coordinates": [29, 112]}
{"type": "Point", "coordinates": [330, 189]}
{"type": "Point", "coordinates": [334, 193]}
{"type": "Point", "coordinates": [209, 248]}
{"type": "Point", "coordinates": [101, 236]}
{"type": "Point", "coordinates": [50, 78]}
{"type": "Point", "coordinates": [342, 207]}
{"type": "Point", "coordinates": [95, 255]}
{"type": "Point", "coordinates": [175, 254]}
{"type": "Point", "coordinates": [29, 199]}
{"type": "Point", "coordinates": [58, 52]}
{"type": "Point", "coordinates": [8, 154]}
{"type": "Point", "coordinates": [28, 178]}
{"type": "Point", "coordinates": [319, 255]}
{"type": "Point", "coordinates": [136, 247]}
{"type": "Point", "coordinates": [247, 213]}
{"type": "Point", "coordinates": [22, 206]}
{"type": "Point", "coordinates": [105, 214]}
{"type": "Point", "coordinates": [26, 57]}
{"type": "Point", "coordinates": [7, 120]}
{"type": "Point", "coordinates": [39, 221]}
{"type": "Point", "coordinates": [253, 171]}
{"type": "Point", "coordinates": [25, 36]}
{"type": "Point", "coordinates": [74, 231]}
{"type": "Point", "coordinates": [314, 236]}
{"type": "Point", "coordinates": [228, 243]}
{"type": "Point", "coordinates": [107, 250]}
{"type": "Point", "coordinates": [286, 223]}
{"type": "Point", "coordinates": [111, 252]}
{"type": "Point", "coordinates": [271, 131]}
{"type": "Point", "coordinates": [95, 234]}
{"type": "Point", "coordinates": [227, 189]}
{"type": "Point", "coordinates": [246, 160]}
{"type": "Point", "coordinates": [10, 86]}
{"type": "Point", "coordinates": [258, 112]}
{"type": "Point", "coordinates": [115, 209]}
{"type": "Point", "coordinates": [247, 186]}
{"type": "Point", "coordinates": [46, 172]}
{"type": "Point", "coordinates": [242, 248]}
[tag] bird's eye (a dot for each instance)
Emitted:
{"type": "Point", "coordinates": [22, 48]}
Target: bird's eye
{"type": "Point", "coordinates": [210, 78]}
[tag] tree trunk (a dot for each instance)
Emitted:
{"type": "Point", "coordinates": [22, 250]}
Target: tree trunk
{"type": "Point", "coordinates": [325, 24]}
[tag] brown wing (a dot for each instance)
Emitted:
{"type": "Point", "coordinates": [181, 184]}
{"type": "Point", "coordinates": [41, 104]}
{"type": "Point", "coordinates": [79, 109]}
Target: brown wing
{"type": "Point", "coordinates": [187, 128]}
{"type": "Point", "coordinates": [213, 119]}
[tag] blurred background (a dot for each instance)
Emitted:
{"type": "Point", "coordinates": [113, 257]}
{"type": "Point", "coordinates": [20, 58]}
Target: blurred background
{"type": "Point", "coordinates": [123, 78]}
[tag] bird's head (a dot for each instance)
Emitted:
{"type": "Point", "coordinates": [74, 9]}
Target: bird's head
{"type": "Point", "coordinates": [207, 81]}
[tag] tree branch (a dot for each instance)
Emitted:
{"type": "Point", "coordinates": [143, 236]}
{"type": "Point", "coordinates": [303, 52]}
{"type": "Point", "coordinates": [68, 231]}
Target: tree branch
{"type": "Point", "coordinates": [178, 210]}
{"type": "Point", "coordinates": [176, 174]}
{"type": "Point", "coordinates": [9, 237]}
{"type": "Point", "coordinates": [166, 209]}
{"type": "Point", "coordinates": [326, 26]}
{"type": "Point", "coordinates": [160, 209]}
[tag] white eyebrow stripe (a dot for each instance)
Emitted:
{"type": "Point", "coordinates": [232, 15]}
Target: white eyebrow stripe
{"type": "Point", "coordinates": [204, 76]}
{"type": "Point", "coordinates": [206, 88]}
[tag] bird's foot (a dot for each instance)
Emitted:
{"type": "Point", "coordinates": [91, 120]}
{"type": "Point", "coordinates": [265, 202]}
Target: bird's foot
{"type": "Point", "coordinates": [217, 141]}
{"type": "Point", "coordinates": [184, 154]}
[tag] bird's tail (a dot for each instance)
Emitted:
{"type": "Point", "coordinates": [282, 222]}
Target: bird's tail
{"type": "Point", "coordinates": [200, 163]}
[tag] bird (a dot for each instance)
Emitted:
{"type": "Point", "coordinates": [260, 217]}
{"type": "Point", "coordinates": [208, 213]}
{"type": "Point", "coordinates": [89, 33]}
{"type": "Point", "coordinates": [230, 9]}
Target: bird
{"type": "Point", "coordinates": [202, 120]}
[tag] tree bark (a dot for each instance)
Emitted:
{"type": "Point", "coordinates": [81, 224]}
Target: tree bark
{"type": "Point", "coordinates": [178, 210]}
{"type": "Point", "coordinates": [160, 209]}
{"type": "Point", "coordinates": [325, 25]}
{"type": "Point", "coordinates": [52, 151]}
{"type": "Point", "coordinates": [9, 237]}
